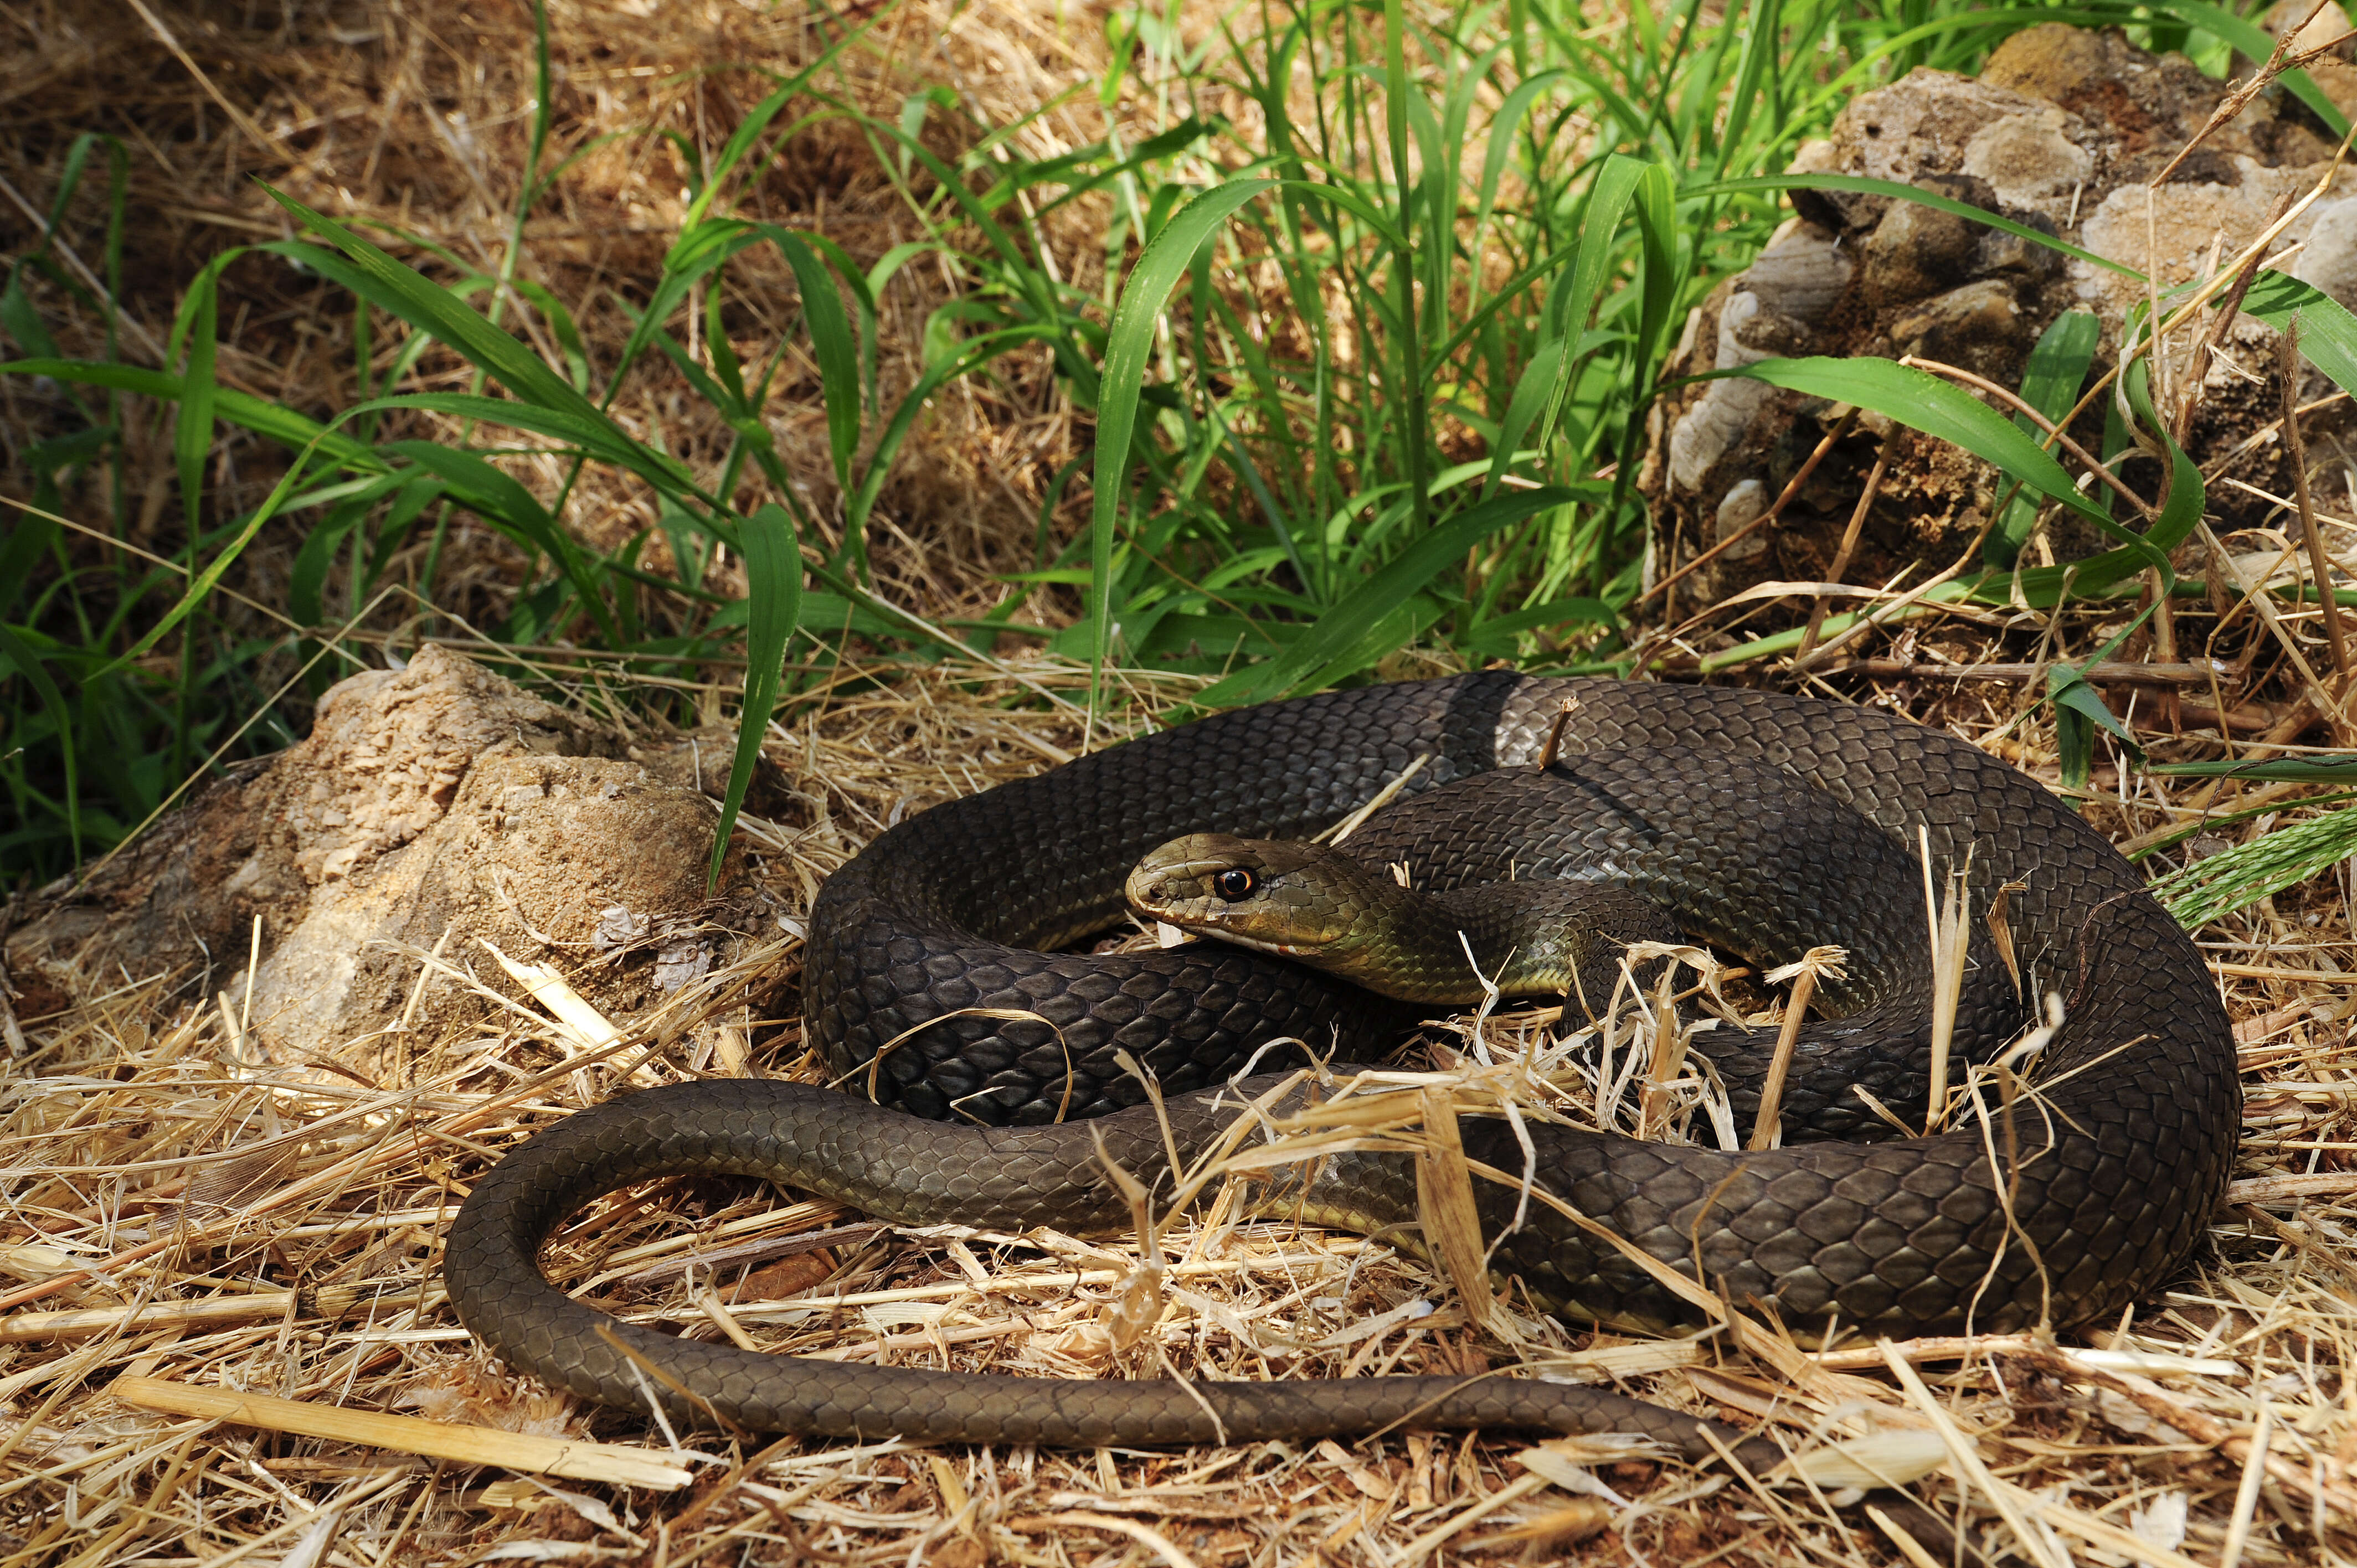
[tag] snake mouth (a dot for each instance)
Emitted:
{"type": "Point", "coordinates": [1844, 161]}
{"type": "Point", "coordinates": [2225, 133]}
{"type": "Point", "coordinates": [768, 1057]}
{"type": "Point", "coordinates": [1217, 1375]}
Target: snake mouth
{"type": "Point", "coordinates": [1282, 949]}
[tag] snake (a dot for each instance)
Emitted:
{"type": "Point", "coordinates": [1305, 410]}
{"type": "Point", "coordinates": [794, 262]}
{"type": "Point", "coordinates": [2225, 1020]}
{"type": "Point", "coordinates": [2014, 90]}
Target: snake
{"type": "Point", "coordinates": [992, 1063]}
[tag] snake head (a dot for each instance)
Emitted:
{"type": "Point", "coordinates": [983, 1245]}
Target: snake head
{"type": "Point", "coordinates": [1302, 900]}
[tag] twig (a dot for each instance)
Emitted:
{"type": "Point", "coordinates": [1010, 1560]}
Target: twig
{"type": "Point", "coordinates": [2201, 297]}
{"type": "Point", "coordinates": [2238, 98]}
{"type": "Point", "coordinates": [2255, 594]}
{"type": "Point", "coordinates": [1848, 547]}
{"type": "Point", "coordinates": [2109, 672]}
{"type": "Point", "coordinates": [1776, 510]}
{"type": "Point", "coordinates": [2310, 525]}
{"type": "Point", "coordinates": [1555, 733]}
{"type": "Point", "coordinates": [1950, 920]}
{"type": "Point", "coordinates": [407, 1434]}
{"type": "Point", "coordinates": [1383, 797]}
{"type": "Point", "coordinates": [1668, 1058]}
{"type": "Point", "coordinates": [2058, 434]}
{"type": "Point", "coordinates": [2246, 1495]}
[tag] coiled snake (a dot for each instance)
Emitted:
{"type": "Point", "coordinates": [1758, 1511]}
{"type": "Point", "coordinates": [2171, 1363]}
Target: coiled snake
{"type": "Point", "coordinates": [1763, 823]}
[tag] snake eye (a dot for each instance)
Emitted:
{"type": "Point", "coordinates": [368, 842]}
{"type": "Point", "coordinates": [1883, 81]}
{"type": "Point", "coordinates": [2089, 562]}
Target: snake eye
{"type": "Point", "coordinates": [1234, 883]}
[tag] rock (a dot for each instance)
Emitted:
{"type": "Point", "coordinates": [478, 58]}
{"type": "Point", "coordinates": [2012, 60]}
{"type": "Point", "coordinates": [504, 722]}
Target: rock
{"type": "Point", "coordinates": [1775, 313]}
{"type": "Point", "coordinates": [431, 805]}
{"type": "Point", "coordinates": [2063, 131]}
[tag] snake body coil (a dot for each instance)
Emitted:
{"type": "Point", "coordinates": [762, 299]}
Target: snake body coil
{"type": "Point", "coordinates": [1761, 822]}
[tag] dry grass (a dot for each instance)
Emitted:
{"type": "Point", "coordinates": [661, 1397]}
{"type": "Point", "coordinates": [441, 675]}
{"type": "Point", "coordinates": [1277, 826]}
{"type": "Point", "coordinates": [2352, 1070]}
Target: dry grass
{"type": "Point", "coordinates": [182, 1215]}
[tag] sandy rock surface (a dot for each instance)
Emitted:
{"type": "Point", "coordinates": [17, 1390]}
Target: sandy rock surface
{"type": "Point", "coordinates": [2064, 131]}
{"type": "Point", "coordinates": [435, 807]}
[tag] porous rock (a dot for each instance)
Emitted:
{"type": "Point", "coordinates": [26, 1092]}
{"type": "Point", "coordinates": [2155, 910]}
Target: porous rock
{"type": "Point", "coordinates": [434, 806]}
{"type": "Point", "coordinates": [2063, 131]}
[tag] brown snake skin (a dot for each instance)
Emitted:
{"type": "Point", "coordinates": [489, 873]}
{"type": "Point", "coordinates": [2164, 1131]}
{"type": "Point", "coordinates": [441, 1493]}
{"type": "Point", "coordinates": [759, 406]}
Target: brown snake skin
{"type": "Point", "coordinates": [1761, 822]}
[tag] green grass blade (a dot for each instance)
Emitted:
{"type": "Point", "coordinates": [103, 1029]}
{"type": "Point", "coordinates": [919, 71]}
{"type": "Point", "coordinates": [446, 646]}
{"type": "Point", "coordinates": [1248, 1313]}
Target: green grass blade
{"type": "Point", "coordinates": [1128, 347]}
{"type": "Point", "coordinates": [202, 583]}
{"type": "Point", "coordinates": [1922, 401]}
{"type": "Point", "coordinates": [2285, 769]}
{"type": "Point", "coordinates": [1538, 390]}
{"type": "Point", "coordinates": [971, 355]}
{"type": "Point", "coordinates": [598, 437]}
{"type": "Point", "coordinates": [506, 505]}
{"type": "Point", "coordinates": [773, 590]}
{"type": "Point", "coordinates": [403, 291]}
{"type": "Point", "coordinates": [1341, 627]}
{"type": "Point", "coordinates": [192, 427]}
{"type": "Point", "coordinates": [1569, 305]}
{"type": "Point", "coordinates": [2080, 710]}
{"type": "Point", "coordinates": [29, 664]}
{"type": "Point", "coordinates": [757, 121]}
{"type": "Point", "coordinates": [2214, 888]}
{"type": "Point", "coordinates": [1502, 131]}
{"type": "Point", "coordinates": [2049, 383]}
{"type": "Point", "coordinates": [1868, 186]}
{"type": "Point", "coordinates": [2328, 333]}
{"type": "Point", "coordinates": [560, 326]}
{"type": "Point", "coordinates": [2180, 510]}
{"type": "Point", "coordinates": [832, 347]}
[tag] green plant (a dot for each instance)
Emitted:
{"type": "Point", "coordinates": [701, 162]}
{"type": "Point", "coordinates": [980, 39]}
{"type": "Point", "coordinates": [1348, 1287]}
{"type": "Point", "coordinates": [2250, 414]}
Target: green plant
{"type": "Point", "coordinates": [1377, 375]}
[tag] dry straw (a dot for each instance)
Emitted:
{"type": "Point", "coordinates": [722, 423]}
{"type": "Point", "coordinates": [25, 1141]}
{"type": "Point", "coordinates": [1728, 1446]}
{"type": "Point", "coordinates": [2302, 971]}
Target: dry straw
{"type": "Point", "coordinates": [154, 1340]}
{"type": "Point", "coordinates": [131, 1296]}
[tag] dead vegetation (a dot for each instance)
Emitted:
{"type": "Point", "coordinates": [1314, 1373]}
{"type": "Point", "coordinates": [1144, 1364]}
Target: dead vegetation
{"type": "Point", "coordinates": [186, 1218]}
{"type": "Point", "coordinates": [187, 1221]}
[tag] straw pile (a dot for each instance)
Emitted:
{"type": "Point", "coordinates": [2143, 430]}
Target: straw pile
{"type": "Point", "coordinates": [188, 1226]}
{"type": "Point", "coordinates": [224, 1340]}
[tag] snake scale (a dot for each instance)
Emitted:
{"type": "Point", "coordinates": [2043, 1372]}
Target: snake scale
{"type": "Point", "coordinates": [1761, 822]}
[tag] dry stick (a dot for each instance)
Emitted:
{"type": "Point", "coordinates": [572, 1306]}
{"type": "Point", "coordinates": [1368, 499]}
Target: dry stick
{"type": "Point", "coordinates": [1555, 733]}
{"type": "Point", "coordinates": [2255, 594]}
{"type": "Point", "coordinates": [2206, 347]}
{"type": "Point", "coordinates": [212, 1311]}
{"type": "Point", "coordinates": [2200, 298]}
{"type": "Point", "coordinates": [2310, 528]}
{"type": "Point", "coordinates": [1445, 1206]}
{"type": "Point", "coordinates": [2217, 466]}
{"type": "Point", "coordinates": [2000, 931]}
{"type": "Point", "coordinates": [1784, 499]}
{"type": "Point", "coordinates": [1826, 961]}
{"type": "Point", "coordinates": [1848, 546]}
{"type": "Point", "coordinates": [2238, 97]}
{"type": "Point", "coordinates": [2246, 1495]}
{"type": "Point", "coordinates": [2110, 672]}
{"type": "Point", "coordinates": [271, 150]}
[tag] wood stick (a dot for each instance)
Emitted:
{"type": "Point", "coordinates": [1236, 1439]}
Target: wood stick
{"type": "Point", "coordinates": [2107, 672]}
{"type": "Point", "coordinates": [408, 1435]}
{"type": "Point", "coordinates": [1555, 733]}
{"type": "Point", "coordinates": [2310, 527]}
